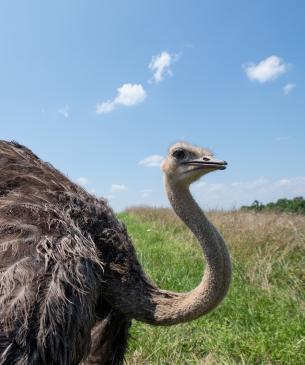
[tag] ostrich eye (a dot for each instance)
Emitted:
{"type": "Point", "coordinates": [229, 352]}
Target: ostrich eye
{"type": "Point", "coordinates": [179, 154]}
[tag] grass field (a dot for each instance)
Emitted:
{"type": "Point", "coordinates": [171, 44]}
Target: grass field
{"type": "Point", "coordinates": [261, 321]}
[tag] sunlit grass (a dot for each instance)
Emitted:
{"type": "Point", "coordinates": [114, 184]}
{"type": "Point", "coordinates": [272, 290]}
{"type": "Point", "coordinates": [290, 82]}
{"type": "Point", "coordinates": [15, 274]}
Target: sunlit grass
{"type": "Point", "coordinates": [261, 321]}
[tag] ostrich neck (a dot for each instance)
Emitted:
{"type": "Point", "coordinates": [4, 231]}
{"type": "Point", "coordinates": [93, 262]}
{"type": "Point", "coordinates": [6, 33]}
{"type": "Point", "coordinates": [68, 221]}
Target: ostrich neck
{"type": "Point", "coordinates": [210, 240]}
{"type": "Point", "coordinates": [217, 274]}
{"type": "Point", "coordinates": [193, 217]}
{"type": "Point", "coordinates": [141, 299]}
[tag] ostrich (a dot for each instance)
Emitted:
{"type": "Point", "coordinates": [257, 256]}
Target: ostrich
{"type": "Point", "coordinates": [70, 279]}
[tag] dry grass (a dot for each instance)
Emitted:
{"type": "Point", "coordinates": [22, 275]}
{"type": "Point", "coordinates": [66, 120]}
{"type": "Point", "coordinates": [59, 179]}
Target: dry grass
{"type": "Point", "coordinates": [259, 228]}
{"type": "Point", "coordinates": [263, 240]}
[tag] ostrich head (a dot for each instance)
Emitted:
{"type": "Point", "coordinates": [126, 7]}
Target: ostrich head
{"type": "Point", "coordinates": [186, 163]}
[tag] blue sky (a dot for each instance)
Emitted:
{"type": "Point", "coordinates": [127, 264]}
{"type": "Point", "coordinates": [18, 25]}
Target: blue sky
{"type": "Point", "coordinates": [95, 87]}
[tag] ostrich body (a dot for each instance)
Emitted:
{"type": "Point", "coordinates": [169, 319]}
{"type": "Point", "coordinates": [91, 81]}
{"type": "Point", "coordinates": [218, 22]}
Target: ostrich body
{"type": "Point", "coordinates": [70, 281]}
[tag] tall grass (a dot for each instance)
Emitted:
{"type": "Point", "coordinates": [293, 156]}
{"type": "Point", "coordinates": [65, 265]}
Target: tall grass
{"type": "Point", "coordinates": [261, 321]}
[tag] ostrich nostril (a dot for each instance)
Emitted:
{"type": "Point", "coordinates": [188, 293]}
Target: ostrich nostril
{"type": "Point", "coordinates": [206, 159]}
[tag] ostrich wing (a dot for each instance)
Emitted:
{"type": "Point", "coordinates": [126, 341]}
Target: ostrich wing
{"type": "Point", "coordinates": [48, 287]}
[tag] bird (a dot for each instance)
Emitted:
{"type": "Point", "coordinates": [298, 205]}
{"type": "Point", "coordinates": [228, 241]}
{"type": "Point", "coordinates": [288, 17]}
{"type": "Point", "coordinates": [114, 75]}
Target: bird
{"type": "Point", "coordinates": [70, 279]}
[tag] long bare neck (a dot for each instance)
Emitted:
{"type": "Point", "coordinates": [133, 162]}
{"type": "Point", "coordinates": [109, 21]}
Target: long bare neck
{"type": "Point", "coordinates": [139, 298]}
{"type": "Point", "coordinates": [217, 275]}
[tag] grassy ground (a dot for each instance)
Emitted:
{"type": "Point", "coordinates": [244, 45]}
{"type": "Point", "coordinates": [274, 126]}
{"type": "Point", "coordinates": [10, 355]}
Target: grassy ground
{"type": "Point", "coordinates": [261, 321]}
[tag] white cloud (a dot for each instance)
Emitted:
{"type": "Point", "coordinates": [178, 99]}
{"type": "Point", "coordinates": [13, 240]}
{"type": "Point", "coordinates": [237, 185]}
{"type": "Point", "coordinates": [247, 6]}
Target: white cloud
{"type": "Point", "coordinates": [284, 182]}
{"type": "Point", "coordinates": [127, 95]}
{"type": "Point", "coordinates": [64, 111]}
{"type": "Point", "coordinates": [160, 65]}
{"type": "Point", "coordinates": [235, 194]}
{"type": "Point", "coordinates": [105, 107]}
{"type": "Point", "coordinates": [266, 70]}
{"type": "Point", "coordinates": [151, 161]}
{"type": "Point", "coordinates": [110, 197]}
{"type": "Point", "coordinates": [130, 94]}
{"type": "Point", "coordinates": [146, 193]}
{"type": "Point", "coordinates": [288, 88]}
{"type": "Point", "coordinates": [118, 188]}
{"type": "Point", "coordinates": [82, 181]}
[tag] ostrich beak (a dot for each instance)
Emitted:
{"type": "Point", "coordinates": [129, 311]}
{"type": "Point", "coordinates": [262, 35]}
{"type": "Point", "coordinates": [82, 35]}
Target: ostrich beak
{"type": "Point", "coordinates": [208, 163]}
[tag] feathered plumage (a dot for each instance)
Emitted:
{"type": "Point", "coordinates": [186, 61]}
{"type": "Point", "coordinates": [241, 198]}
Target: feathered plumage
{"type": "Point", "coordinates": [55, 242]}
{"type": "Point", "coordinates": [69, 278]}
